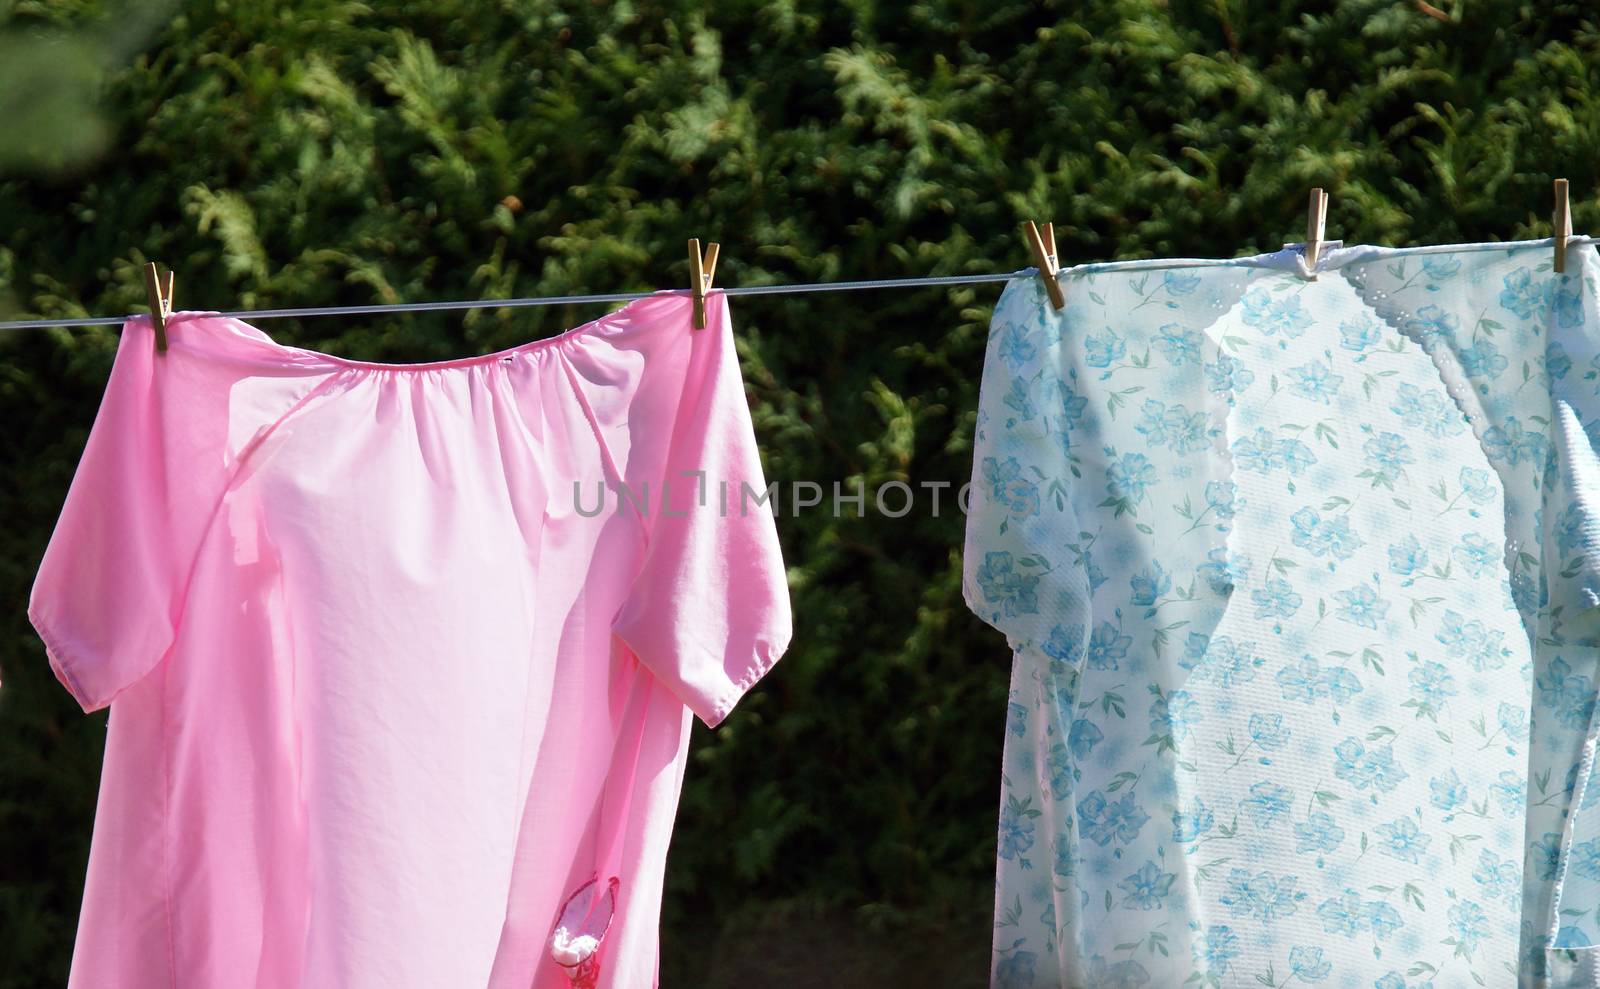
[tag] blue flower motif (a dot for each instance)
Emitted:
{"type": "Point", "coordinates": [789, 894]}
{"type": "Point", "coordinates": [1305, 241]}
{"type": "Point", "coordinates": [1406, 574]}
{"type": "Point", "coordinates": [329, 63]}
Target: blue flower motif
{"type": "Point", "coordinates": [1194, 649]}
{"type": "Point", "coordinates": [1429, 411]}
{"type": "Point", "coordinates": [1148, 585]}
{"type": "Point", "coordinates": [1394, 980]}
{"type": "Point", "coordinates": [1014, 592]}
{"type": "Point", "coordinates": [1591, 792]}
{"type": "Point", "coordinates": [1358, 334]}
{"type": "Point", "coordinates": [1189, 826]}
{"type": "Point", "coordinates": [1388, 454]}
{"type": "Point", "coordinates": [1130, 476]}
{"type": "Point", "coordinates": [1016, 346]}
{"type": "Point", "coordinates": [1315, 381]}
{"type": "Point", "coordinates": [1319, 833]}
{"type": "Point", "coordinates": [1500, 878]}
{"type": "Point", "coordinates": [1383, 919]}
{"type": "Point", "coordinates": [1476, 555]}
{"type": "Point", "coordinates": [1324, 537]}
{"type": "Point", "coordinates": [1262, 454]}
{"type": "Point", "coordinates": [1066, 862]}
{"type": "Point", "coordinates": [1060, 767]}
{"type": "Point", "coordinates": [1307, 680]}
{"type": "Point", "coordinates": [1152, 425]}
{"type": "Point", "coordinates": [1015, 971]}
{"type": "Point", "coordinates": [1363, 767]}
{"type": "Point", "coordinates": [1510, 792]}
{"type": "Point", "coordinates": [1524, 595]}
{"type": "Point", "coordinates": [1448, 791]}
{"type": "Point", "coordinates": [1174, 714]}
{"type": "Point", "coordinates": [1430, 323]}
{"type": "Point", "coordinates": [1270, 316]}
{"type": "Point", "coordinates": [1472, 641]}
{"type": "Point", "coordinates": [1403, 840]}
{"type": "Point", "coordinates": [1275, 599]}
{"type": "Point", "coordinates": [1348, 915]}
{"type": "Point", "coordinates": [1439, 269]}
{"type": "Point", "coordinates": [1016, 719]}
{"type": "Point", "coordinates": [1021, 499]}
{"type": "Point", "coordinates": [1482, 360]}
{"type": "Point", "coordinates": [1513, 720]}
{"type": "Point", "coordinates": [1220, 573]}
{"type": "Point", "coordinates": [1220, 498]}
{"type": "Point", "coordinates": [1569, 307]}
{"type": "Point", "coordinates": [1016, 829]}
{"type": "Point", "coordinates": [1104, 820]}
{"type": "Point", "coordinates": [1469, 925]}
{"type": "Point", "coordinates": [1083, 737]}
{"type": "Point", "coordinates": [1262, 896]}
{"type": "Point", "coordinates": [1521, 296]}
{"type": "Point", "coordinates": [1179, 282]}
{"type": "Point", "coordinates": [1268, 731]}
{"type": "Point", "coordinates": [1586, 859]}
{"type": "Point", "coordinates": [1065, 644]}
{"type": "Point", "coordinates": [1513, 444]}
{"type": "Point", "coordinates": [1431, 684]}
{"type": "Point", "coordinates": [1477, 485]}
{"type": "Point", "coordinates": [1103, 351]}
{"type": "Point", "coordinates": [1181, 346]}
{"type": "Point", "coordinates": [1147, 887]}
{"type": "Point", "coordinates": [1126, 974]}
{"type": "Point", "coordinates": [1000, 473]}
{"type": "Point", "coordinates": [1225, 662]}
{"type": "Point", "coordinates": [1215, 949]}
{"type": "Point", "coordinates": [1267, 804]}
{"type": "Point", "coordinates": [1569, 936]}
{"type": "Point", "coordinates": [1019, 399]}
{"type": "Point", "coordinates": [1308, 965]}
{"type": "Point", "coordinates": [1228, 375]}
{"type": "Point", "coordinates": [1186, 432]}
{"type": "Point", "coordinates": [1343, 914]}
{"type": "Point", "coordinates": [1556, 362]}
{"type": "Point", "coordinates": [1071, 404]}
{"type": "Point", "coordinates": [1568, 527]}
{"type": "Point", "coordinates": [1340, 684]}
{"type": "Point", "coordinates": [1407, 556]}
{"type": "Point", "coordinates": [1096, 575]}
{"type": "Point", "coordinates": [1106, 646]}
{"type": "Point", "coordinates": [1360, 605]}
{"type": "Point", "coordinates": [1591, 789]}
{"type": "Point", "coordinates": [1569, 696]}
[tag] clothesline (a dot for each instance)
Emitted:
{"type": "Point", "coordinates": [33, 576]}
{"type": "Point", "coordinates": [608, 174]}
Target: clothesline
{"type": "Point", "coordinates": [787, 289]}
{"type": "Point", "coordinates": [795, 289]}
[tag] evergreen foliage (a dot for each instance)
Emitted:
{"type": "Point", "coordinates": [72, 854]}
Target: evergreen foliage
{"type": "Point", "coordinates": [838, 830]}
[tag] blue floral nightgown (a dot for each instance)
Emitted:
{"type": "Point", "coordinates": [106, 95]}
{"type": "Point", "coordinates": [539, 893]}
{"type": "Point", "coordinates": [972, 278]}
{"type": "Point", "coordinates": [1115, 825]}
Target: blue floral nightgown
{"type": "Point", "coordinates": [1302, 578]}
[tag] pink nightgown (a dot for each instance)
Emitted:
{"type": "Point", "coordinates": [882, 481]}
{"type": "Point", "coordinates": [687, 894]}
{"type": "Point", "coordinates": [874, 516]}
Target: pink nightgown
{"type": "Point", "coordinates": [401, 657]}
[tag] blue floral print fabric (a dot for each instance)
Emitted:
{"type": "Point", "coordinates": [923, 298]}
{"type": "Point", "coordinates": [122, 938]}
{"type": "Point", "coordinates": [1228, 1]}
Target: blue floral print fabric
{"type": "Point", "coordinates": [1301, 573]}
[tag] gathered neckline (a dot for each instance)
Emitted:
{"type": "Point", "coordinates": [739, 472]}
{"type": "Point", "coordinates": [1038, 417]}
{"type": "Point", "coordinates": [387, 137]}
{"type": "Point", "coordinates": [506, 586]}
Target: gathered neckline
{"type": "Point", "coordinates": [507, 356]}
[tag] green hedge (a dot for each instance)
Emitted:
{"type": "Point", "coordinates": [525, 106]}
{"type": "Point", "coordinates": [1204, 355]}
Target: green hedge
{"type": "Point", "coordinates": [838, 830]}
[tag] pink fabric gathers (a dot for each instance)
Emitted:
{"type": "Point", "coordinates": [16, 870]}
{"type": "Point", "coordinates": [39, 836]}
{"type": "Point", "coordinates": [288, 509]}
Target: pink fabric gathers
{"type": "Point", "coordinates": [387, 690]}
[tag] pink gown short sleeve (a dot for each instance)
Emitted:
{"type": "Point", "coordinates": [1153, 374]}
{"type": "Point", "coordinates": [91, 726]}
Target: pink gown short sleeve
{"type": "Point", "coordinates": [708, 612]}
{"type": "Point", "coordinates": [395, 701]}
{"type": "Point", "coordinates": [109, 593]}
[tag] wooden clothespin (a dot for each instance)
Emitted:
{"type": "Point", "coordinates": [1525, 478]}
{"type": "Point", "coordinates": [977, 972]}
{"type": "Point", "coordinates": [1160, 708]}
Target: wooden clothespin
{"type": "Point", "coordinates": [701, 272]}
{"type": "Point", "coordinates": [160, 292]}
{"type": "Point", "coordinates": [1043, 247]}
{"type": "Point", "coordinates": [1562, 224]}
{"type": "Point", "coordinates": [1316, 228]}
